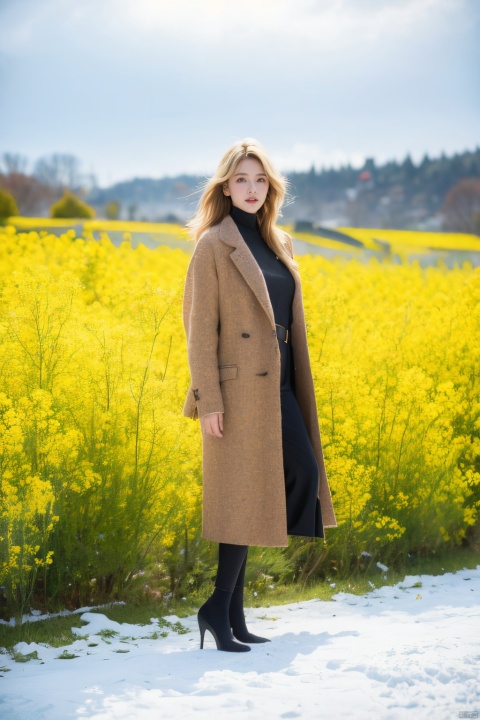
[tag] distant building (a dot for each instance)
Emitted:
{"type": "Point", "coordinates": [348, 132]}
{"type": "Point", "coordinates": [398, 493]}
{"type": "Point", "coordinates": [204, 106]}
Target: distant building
{"type": "Point", "coordinates": [365, 181]}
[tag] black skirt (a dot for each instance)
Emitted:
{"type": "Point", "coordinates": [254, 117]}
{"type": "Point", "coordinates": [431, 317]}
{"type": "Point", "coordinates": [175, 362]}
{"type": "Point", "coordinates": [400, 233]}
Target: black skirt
{"type": "Point", "coordinates": [304, 516]}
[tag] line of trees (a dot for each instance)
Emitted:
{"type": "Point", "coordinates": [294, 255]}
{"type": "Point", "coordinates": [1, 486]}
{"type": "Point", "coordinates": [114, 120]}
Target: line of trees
{"type": "Point", "coordinates": [34, 193]}
{"type": "Point", "coordinates": [392, 195]}
{"type": "Point", "coordinates": [396, 194]}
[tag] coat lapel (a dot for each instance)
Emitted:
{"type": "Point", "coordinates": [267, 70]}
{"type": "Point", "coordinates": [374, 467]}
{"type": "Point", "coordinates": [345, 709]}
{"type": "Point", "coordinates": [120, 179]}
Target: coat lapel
{"type": "Point", "coordinates": [247, 265]}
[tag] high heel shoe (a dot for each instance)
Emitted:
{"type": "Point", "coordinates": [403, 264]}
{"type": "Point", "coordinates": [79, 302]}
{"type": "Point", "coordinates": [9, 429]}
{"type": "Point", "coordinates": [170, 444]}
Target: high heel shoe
{"type": "Point", "coordinates": [237, 619]}
{"type": "Point", "coordinates": [213, 616]}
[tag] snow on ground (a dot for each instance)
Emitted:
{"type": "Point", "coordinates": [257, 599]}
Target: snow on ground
{"type": "Point", "coordinates": [397, 652]}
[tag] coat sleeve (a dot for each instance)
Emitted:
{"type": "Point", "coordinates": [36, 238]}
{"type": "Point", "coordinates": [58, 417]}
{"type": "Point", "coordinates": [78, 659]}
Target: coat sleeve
{"type": "Point", "coordinates": [201, 322]}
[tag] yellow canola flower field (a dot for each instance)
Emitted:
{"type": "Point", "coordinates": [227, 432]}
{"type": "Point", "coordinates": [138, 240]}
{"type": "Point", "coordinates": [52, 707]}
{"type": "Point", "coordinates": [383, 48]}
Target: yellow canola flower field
{"type": "Point", "coordinates": [100, 471]}
{"type": "Point", "coordinates": [31, 223]}
{"type": "Point", "coordinates": [415, 238]}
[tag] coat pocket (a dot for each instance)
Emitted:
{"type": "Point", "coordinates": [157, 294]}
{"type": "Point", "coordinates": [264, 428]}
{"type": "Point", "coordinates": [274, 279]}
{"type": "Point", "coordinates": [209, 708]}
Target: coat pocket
{"type": "Point", "coordinates": [227, 372]}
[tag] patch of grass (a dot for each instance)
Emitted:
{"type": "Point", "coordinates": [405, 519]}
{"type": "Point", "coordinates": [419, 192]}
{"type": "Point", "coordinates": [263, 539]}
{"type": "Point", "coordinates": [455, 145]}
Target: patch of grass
{"type": "Point", "coordinates": [179, 628]}
{"type": "Point", "coordinates": [56, 632]}
{"type": "Point", "coordinates": [21, 658]}
{"type": "Point", "coordinates": [133, 612]}
{"type": "Point", "coordinates": [66, 656]}
{"type": "Point", "coordinates": [107, 633]}
{"type": "Point", "coordinates": [154, 636]}
{"type": "Point", "coordinates": [415, 585]}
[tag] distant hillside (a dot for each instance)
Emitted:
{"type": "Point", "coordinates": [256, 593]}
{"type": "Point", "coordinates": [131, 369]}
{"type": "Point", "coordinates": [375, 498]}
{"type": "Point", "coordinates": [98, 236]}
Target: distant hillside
{"type": "Point", "coordinates": [395, 195]}
{"type": "Point", "coordinates": [436, 194]}
{"type": "Point", "coordinates": [146, 198]}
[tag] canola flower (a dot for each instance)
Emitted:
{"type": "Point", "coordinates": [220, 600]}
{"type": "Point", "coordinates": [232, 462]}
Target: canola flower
{"type": "Point", "coordinates": [100, 474]}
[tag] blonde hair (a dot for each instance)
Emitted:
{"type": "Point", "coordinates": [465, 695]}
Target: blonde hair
{"type": "Point", "coordinates": [214, 206]}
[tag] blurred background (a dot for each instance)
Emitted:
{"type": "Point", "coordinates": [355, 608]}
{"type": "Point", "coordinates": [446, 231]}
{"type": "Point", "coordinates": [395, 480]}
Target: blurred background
{"type": "Point", "coordinates": [371, 108]}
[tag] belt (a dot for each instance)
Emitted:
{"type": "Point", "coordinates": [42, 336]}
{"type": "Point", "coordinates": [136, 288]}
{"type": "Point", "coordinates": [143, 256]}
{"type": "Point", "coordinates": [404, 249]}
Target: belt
{"type": "Point", "coordinates": [282, 332]}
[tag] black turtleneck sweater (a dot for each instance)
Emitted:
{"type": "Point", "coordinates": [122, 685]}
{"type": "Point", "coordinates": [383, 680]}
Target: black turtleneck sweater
{"type": "Point", "coordinates": [278, 278]}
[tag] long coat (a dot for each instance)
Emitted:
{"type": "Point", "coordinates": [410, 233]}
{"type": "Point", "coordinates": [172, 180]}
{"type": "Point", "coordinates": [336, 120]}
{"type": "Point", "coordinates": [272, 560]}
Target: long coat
{"type": "Point", "coordinates": [234, 362]}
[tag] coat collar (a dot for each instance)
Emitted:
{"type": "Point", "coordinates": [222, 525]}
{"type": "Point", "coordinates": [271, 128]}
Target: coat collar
{"type": "Point", "coordinates": [247, 265]}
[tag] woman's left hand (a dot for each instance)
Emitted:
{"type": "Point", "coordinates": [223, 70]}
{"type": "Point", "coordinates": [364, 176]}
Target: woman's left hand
{"type": "Point", "coordinates": [213, 424]}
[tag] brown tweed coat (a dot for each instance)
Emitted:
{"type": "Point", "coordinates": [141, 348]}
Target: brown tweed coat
{"type": "Point", "coordinates": [234, 364]}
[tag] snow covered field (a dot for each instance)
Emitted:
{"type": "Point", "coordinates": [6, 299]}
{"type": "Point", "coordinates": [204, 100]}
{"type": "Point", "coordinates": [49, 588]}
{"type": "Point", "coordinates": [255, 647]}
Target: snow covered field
{"type": "Point", "coordinates": [406, 651]}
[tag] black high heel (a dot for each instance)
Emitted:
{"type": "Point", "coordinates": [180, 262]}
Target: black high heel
{"type": "Point", "coordinates": [213, 616]}
{"type": "Point", "coordinates": [237, 619]}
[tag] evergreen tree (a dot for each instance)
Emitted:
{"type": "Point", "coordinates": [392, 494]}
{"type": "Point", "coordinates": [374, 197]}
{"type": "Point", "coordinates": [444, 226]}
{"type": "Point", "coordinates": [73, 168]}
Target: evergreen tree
{"type": "Point", "coordinates": [70, 206]}
{"type": "Point", "coordinates": [8, 206]}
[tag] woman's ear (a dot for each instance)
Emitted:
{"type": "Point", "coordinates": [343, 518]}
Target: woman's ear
{"type": "Point", "coordinates": [226, 191]}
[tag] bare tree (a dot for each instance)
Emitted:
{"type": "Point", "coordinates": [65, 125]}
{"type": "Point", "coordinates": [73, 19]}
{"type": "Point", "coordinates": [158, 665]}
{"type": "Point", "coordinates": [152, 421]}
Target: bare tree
{"type": "Point", "coordinates": [59, 171]}
{"type": "Point", "coordinates": [32, 196]}
{"type": "Point", "coordinates": [13, 163]}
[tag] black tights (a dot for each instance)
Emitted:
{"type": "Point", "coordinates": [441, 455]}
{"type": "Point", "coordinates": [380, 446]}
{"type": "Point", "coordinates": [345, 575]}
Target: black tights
{"type": "Point", "coordinates": [232, 560]}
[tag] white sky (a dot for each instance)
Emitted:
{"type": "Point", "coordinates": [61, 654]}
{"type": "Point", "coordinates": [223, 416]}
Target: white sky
{"type": "Point", "coordinates": [150, 87]}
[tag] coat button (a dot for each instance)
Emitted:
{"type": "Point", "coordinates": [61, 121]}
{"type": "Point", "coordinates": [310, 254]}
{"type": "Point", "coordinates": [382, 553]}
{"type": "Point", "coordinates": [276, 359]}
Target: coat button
{"type": "Point", "coordinates": [245, 334]}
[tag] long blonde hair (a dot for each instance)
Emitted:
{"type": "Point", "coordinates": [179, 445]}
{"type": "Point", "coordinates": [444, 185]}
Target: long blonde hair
{"type": "Point", "coordinates": [214, 206]}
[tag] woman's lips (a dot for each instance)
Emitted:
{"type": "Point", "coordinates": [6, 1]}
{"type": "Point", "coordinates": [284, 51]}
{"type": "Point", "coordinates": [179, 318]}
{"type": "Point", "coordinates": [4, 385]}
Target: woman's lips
{"type": "Point", "coordinates": [251, 200]}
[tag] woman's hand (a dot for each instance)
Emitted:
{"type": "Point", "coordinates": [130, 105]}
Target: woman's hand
{"type": "Point", "coordinates": [213, 424]}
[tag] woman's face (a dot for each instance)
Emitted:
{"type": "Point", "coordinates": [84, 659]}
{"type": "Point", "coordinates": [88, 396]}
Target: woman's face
{"type": "Point", "coordinates": [248, 185]}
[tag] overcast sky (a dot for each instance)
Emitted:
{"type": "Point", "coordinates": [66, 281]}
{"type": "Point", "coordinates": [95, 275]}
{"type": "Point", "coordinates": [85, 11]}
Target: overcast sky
{"type": "Point", "coordinates": [156, 87]}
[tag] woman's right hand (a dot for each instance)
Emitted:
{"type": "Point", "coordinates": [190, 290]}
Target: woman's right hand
{"type": "Point", "coordinates": [213, 424]}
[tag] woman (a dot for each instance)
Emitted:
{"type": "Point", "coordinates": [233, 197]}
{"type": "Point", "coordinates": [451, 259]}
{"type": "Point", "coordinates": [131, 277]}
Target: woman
{"type": "Point", "coordinates": [251, 382]}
